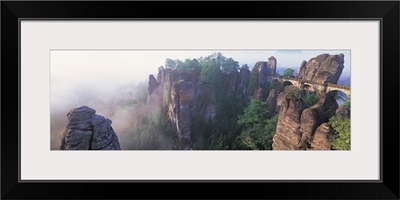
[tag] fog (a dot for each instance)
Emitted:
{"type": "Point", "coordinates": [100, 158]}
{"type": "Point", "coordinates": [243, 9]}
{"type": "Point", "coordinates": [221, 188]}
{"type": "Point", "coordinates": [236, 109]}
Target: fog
{"type": "Point", "coordinates": [114, 83]}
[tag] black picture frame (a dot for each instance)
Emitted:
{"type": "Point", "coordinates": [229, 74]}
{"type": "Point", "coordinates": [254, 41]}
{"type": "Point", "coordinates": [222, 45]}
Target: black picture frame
{"type": "Point", "coordinates": [386, 11]}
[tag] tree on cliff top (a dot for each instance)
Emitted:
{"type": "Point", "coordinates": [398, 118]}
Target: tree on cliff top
{"type": "Point", "coordinates": [226, 65]}
{"type": "Point", "coordinates": [288, 72]}
{"type": "Point", "coordinates": [187, 64]}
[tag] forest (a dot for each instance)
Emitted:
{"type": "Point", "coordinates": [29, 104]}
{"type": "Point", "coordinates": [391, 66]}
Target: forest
{"type": "Point", "coordinates": [242, 120]}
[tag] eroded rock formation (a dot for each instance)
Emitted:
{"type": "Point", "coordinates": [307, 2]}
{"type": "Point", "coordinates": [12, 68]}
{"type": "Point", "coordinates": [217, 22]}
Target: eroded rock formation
{"type": "Point", "coordinates": [85, 130]}
{"type": "Point", "coordinates": [313, 117]}
{"type": "Point", "coordinates": [264, 69]}
{"type": "Point", "coordinates": [321, 140]}
{"type": "Point", "coordinates": [288, 136]}
{"type": "Point", "coordinates": [322, 68]}
{"type": "Point", "coordinates": [297, 124]}
{"type": "Point", "coordinates": [184, 97]}
{"type": "Point", "coordinates": [302, 127]}
{"type": "Point", "coordinates": [181, 96]}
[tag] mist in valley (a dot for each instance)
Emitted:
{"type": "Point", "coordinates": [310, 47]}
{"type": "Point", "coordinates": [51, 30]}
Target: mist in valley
{"type": "Point", "coordinates": [115, 84]}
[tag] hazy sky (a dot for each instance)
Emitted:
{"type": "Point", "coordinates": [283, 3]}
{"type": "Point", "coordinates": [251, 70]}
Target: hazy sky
{"type": "Point", "coordinates": [104, 71]}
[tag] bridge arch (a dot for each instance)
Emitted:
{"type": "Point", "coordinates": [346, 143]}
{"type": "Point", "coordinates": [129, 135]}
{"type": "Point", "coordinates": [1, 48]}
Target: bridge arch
{"type": "Point", "coordinates": [345, 90]}
{"type": "Point", "coordinates": [286, 83]}
{"type": "Point", "coordinates": [339, 95]}
{"type": "Point", "coordinates": [308, 87]}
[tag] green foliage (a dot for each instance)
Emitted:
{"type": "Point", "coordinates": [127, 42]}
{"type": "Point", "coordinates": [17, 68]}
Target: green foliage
{"type": "Point", "coordinates": [220, 133]}
{"type": "Point", "coordinates": [258, 136]}
{"type": "Point", "coordinates": [244, 66]}
{"type": "Point", "coordinates": [346, 104]}
{"type": "Point", "coordinates": [253, 82]}
{"type": "Point", "coordinates": [226, 65]}
{"type": "Point", "coordinates": [187, 64]}
{"type": "Point", "coordinates": [210, 72]}
{"type": "Point", "coordinates": [341, 126]}
{"type": "Point", "coordinates": [169, 63]}
{"type": "Point", "coordinates": [288, 72]}
{"type": "Point", "coordinates": [267, 87]}
{"type": "Point", "coordinates": [295, 94]}
{"type": "Point", "coordinates": [229, 65]}
{"type": "Point", "coordinates": [233, 126]}
{"type": "Point", "coordinates": [153, 133]}
{"type": "Point", "coordinates": [247, 141]}
{"type": "Point", "coordinates": [201, 133]}
{"type": "Point", "coordinates": [258, 130]}
{"type": "Point", "coordinates": [310, 98]}
{"type": "Point", "coordinates": [213, 67]}
{"type": "Point", "coordinates": [255, 113]}
{"type": "Point", "coordinates": [219, 143]}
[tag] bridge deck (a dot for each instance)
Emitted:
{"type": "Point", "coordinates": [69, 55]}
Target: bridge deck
{"type": "Point", "coordinates": [311, 82]}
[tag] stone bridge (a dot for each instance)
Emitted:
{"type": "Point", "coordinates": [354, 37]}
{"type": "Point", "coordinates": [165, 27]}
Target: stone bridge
{"type": "Point", "coordinates": [312, 86]}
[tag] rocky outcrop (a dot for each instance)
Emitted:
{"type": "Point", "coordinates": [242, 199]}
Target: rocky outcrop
{"type": "Point", "coordinates": [343, 112]}
{"type": "Point", "coordinates": [287, 136]}
{"type": "Point", "coordinates": [297, 124]}
{"type": "Point", "coordinates": [272, 98]}
{"type": "Point", "coordinates": [182, 97]}
{"type": "Point", "coordinates": [85, 130]}
{"type": "Point", "coordinates": [242, 83]}
{"type": "Point", "coordinates": [322, 138]}
{"type": "Point", "coordinates": [313, 117]}
{"type": "Point", "coordinates": [272, 65]}
{"type": "Point", "coordinates": [236, 83]}
{"type": "Point", "coordinates": [153, 84]}
{"type": "Point", "coordinates": [264, 69]}
{"type": "Point", "coordinates": [272, 102]}
{"type": "Point", "coordinates": [322, 68]}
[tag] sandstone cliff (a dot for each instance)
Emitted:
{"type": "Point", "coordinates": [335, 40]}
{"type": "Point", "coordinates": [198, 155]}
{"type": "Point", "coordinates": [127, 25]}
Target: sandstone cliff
{"type": "Point", "coordinates": [264, 69]}
{"type": "Point", "coordinates": [322, 68]}
{"type": "Point", "coordinates": [302, 127]}
{"type": "Point", "coordinates": [183, 96]}
{"type": "Point", "coordinates": [85, 130]}
{"type": "Point", "coordinates": [297, 124]}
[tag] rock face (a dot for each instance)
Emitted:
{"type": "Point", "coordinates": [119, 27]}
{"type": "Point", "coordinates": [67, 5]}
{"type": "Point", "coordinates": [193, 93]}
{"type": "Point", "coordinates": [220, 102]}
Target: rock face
{"type": "Point", "coordinates": [343, 112]}
{"type": "Point", "coordinates": [184, 97]}
{"type": "Point", "coordinates": [153, 84]}
{"type": "Point", "coordinates": [304, 128]}
{"type": "Point", "coordinates": [272, 102]}
{"type": "Point", "coordinates": [85, 130]}
{"type": "Point", "coordinates": [297, 124]}
{"type": "Point", "coordinates": [235, 83]}
{"type": "Point", "coordinates": [264, 69]}
{"type": "Point", "coordinates": [321, 140]}
{"type": "Point", "coordinates": [322, 68]}
{"type": "Point", "coordinates": [313, 117]}
{"type": "Point", "coordinates": [272, 65]}
{"type": "Point", "coordinates": [287, 136]}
